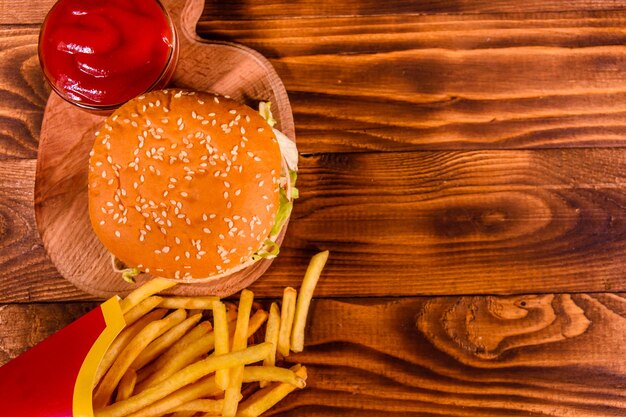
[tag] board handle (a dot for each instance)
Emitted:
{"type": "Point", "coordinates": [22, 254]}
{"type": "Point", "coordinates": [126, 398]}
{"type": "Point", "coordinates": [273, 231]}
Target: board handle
{"type": "Point", "coordinates": [185, 15]}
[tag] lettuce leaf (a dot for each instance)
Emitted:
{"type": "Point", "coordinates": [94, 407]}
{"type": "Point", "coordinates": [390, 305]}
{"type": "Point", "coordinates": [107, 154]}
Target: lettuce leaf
{"type": "Point", "coordinates": [266, 113]}
{"type": "Point", "coordinates": [293, 176]}
{"type": "Point", "coordinates": [270, 249]}
{"type": "Point", "coordinates": [284, 211]}
{"type": "Point", "coordinates": [129, 274]}
{"type": "Point", "coordinates": [288, 150]}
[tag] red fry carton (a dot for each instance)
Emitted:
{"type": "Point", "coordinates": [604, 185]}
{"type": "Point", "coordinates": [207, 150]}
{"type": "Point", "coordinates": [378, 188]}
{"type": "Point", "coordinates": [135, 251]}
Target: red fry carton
{"type": "Point", "coordinates": [55, 378]}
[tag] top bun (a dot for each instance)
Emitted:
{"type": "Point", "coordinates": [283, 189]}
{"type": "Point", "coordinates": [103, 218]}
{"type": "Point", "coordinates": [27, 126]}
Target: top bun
{"type": "Point", "coordinates": [184, 185]}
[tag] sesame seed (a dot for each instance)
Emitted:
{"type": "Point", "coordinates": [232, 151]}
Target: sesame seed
{"type": "Point", "coordinates": [206, 230]}
{"type": "Point", "coordinates": [184, 194]}
{"type": "Point", "coordinates": [102, 222]}
{"type": "Point", "coordinates": [165, 249]}
{"type": "Point", "coordinates": [238, 191]}
{"type": "Point", "coordinates": [260, 129]}
{"type": "Point", "coordinates": [177, 258]}
{"type": "Point", "coordinates": [157, 251]}
{"type": "Point", "coordinates": [215, 99]}
{"type": "Point", "coordinates": [117, 233]}
{"type": "Point", "coordinates": [187, 254]}
{"type": "Point", "coordinates": [225, 194]}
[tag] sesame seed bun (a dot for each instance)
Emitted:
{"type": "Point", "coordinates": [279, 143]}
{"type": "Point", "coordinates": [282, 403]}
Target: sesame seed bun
{"type": "Point", "coordinates": [184, 185]}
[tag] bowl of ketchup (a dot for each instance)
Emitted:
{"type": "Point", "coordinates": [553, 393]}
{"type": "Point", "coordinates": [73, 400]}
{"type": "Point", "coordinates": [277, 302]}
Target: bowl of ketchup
{"type": "Point", "coordinates": [98, 54]}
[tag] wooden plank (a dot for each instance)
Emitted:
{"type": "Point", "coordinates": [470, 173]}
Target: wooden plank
{"type": "Point", "coordinates": [528, 355]}
{"type": "Point", "coordinates": [406, 82]}
{"type": "Point", "coordinates": [27, 273]}
{"type": "Point", "coordinates": [285, 9]}
{"type": "Point", "coordinates": [14, 12]}
{"type": "Point", "coordinates": [23, 92]}
{"type": "Point", "coordinates": [412, 223]}
{"type": "Point", "coordinates": [29, 12]}
{"type": "Point", "coordinates": [447, 82]}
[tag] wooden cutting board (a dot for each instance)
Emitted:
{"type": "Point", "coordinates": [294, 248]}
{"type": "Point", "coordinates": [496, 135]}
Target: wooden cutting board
{"type": "Point", "coordinates": [67, 134]}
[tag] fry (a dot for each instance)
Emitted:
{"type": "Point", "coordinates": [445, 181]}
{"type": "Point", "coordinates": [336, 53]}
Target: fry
{"type": "Point", "coordinates": [232, 396]}
{"type": "Point", "coordinates": [196, 333]}
{"type": "Point", "coordinates": [220, 323]}
{"type": "Point", "coordinates": [271, 335]}
{"type": "Point", "coordinates": [184, 377]}
{"type": "Point", "coordinates": [266, 398]}
{"type": "Point", "coordinates": [185, 357]}
{"type": "Point", "coordinates": [129, 354]}
{"type": "Point", "coordinates": [203, 303]}
{"type": "Point", "coordinates": [122, 340]}
{"type": "Point", "coordinates": [256, 321]}
{"type": "Point", "coordinates": [146, 290]}
{"type": "Point", "coordinates": [202, 388]}
{"type": "Point", "coordinates": [309, 282]}
{"type": "Point", "coordinates": [286, 320]}
{"type": "Point", "coordinates": [141, 309]}
{"type": "Point", "coordinates": [202, 406]}
{"type": "Point", "coordinates": [272, 374]}
{"type": "Point", "coordinates": [127, 385]}
{"type": "Point", "coordinates": [231, 311]}
{"type": "Point", "coordinates": [161, 344]}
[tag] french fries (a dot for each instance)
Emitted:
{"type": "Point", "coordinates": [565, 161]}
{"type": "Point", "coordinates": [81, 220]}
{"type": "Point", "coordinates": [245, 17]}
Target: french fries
{"type": "Point", "coordinates": [206, 387]}
{"type": "Point", "coordinates": [266, 398]}
{"type": "Point", "coordinates": [202, 406]}
{"type": "Point", "coordinates": [180, 366]}
{"type": "Point", "coordinates": [222, 345]}
{"type": "Point", "coordinates": [161, 344]}
{"type": "Point", "coordinates": [153, 330]}
{"type": "Point", "coordinates": [141, 309]}
{"type": "Point", "coordinates": [184, 377]}
{"type": "Point", "coordinates": [127, 385]}
{"type": "Point", "coordinates": [271, 336]}
{"type": "Point", "coordinates": [309, 282]}
{"type": "Point", "coordinates": [123, 339]}
{"type": "Point", "coordinates": [286, 321]}
{"type": "Point", "coordinates": [201, 303]}
{"type": "Point", "coordinates": [232, 396]}
{"type": "Point", "coordinates": [146, 290]}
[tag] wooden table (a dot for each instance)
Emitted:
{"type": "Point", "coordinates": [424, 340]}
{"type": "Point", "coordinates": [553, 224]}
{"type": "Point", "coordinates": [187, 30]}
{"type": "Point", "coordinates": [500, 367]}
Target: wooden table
{"type": "Point", "coordinates": [463, 161]}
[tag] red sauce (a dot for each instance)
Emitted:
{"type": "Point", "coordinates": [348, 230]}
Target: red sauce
{"type": "Point", "coordinates": [102, 53]}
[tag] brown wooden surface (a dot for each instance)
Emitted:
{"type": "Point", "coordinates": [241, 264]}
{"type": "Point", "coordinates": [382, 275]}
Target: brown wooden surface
{"type": "Point", "coordinates": [449, 148]}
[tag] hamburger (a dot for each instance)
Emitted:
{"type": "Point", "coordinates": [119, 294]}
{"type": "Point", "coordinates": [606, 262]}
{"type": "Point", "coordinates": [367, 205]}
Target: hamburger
{"type": "Point", "coordinates": [189, 185]}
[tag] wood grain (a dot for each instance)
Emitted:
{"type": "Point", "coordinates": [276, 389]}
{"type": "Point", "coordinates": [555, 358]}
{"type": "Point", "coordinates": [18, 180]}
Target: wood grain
{"type": "Point", "coordinates": [273, 9]}
{"type": "Point", "coordinates": [29, 12]}
{"type": "Point", "coordinates": [23, 92]}
{"type": "Point", "coordinates": [27, 273]}
{"type": "Point", "coordinates": [528, 355]}
{"type": "Point", "coordinates": [442, 223]}
{"type": "Point", "coordinates": [404, 82]}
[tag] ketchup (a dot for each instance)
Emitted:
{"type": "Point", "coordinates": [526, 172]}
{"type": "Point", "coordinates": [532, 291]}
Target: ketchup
{"type": "Point", "coordinates": [102, 53]}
